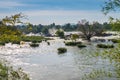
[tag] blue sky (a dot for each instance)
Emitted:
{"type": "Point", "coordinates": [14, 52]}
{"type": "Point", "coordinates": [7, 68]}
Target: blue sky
{"type": "Point", "coordinates": [57, 11]}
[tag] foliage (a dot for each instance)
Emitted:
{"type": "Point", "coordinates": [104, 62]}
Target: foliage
{"type": "Point", "coordinates": [33, 39]}
{"type": "Point", "coordinates": [8, 73]}
{"type": "Point", "coordinates": [90, 30]}
{"type": "Point", "coordinates": [48, 43]}
{"type": "Point", "coordinates": [115, 40]}
{"type": "Point", "coordinates": [13, 20]}
{"type": "Point", "coordinates": [69, 27]}
{"type": "Point", "coordinates": [96, 75]}
{"type": "Point", "coordinates": [10, 38]}
{"type": "Point", "coordinates": [2, 43]}
{"type": "Point", "coordinates": [81, 45]}
{"type": "Point", "coordinates": [115, 23]}
{"type": "Point", "coordinates": [74, 37]}
{"type": "Point", "coordinates": [60, 33]}
{"type": "Point", "coordinates": [111, 5]}
{"type": "Point", "coordinates": [113, 57]}
{"type": "Point", "coordinates": [107, 26]}
{"type": "Point", "coordinates": [9, 30]}
{"type": "Point", "coordinates": [34, 45]}
{"type": "Point", "coordinates": [72, 43]}
{"type": "Point", "coordinates": [62, 50]}
{"type": "Point", "coordinates": [17, 39]}
{"type": "Point", "coordinates": [45, 31]}
{"type": "Point", "coordinates": [105, 46]}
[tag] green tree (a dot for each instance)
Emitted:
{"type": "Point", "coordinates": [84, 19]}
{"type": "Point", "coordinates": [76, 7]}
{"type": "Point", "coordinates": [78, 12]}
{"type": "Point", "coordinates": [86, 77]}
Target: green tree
{"type": "Point", "coordinates": [13, 20]}
{"type": "Point", "coordinates": [115, 23]}
{"type": "Point", "coordinates": [89, 30]}
{"type": "Point", "coordinates": [29, 27]}
{"type": "Point", "coordinates": [111, 5]}
{"type": "Point", "coordinates": [60, 33]}
{"type": "Point", "coordinates": [45, 31]}
{"type": "Point", "coordinates": [74, 37]}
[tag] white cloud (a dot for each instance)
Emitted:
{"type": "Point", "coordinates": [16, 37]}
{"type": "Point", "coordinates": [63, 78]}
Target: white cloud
{"type": "Point", "coordinates": [64, 16]}
{"type": "Point", "coordinates": [9, 4]}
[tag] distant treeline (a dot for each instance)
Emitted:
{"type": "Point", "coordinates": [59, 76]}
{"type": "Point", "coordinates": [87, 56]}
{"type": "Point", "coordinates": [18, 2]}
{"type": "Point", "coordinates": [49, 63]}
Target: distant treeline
{"type": "Point", "coordinates": [45, 28]}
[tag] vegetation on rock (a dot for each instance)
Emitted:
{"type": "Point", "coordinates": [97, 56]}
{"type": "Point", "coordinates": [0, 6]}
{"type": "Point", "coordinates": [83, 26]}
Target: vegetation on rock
{"type": "Point", "coordinates": [105, 46]}
{"type": "Point", "coordinates": [62, 50]}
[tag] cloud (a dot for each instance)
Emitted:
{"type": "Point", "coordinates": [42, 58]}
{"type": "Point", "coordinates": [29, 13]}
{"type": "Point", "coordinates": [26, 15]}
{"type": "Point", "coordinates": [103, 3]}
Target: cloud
{"type": "Point", "coordinates": [64, 16]}
{"type": "Point", "coordinates": [9, 4]}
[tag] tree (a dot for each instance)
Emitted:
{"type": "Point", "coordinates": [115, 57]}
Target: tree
{"type": "Point", "coordinates": [115, 23]}
{"type": "Point", "coordinates": [107, 26]}
{"type": "Point", "coordinates": [13, 20]}
{"type": "Point", "coordinates": [60, 33]}
{"type": "Point", "coordinates": [45, 31]}
{"type": "Point", "coordinates": [89, 30]}
{"type": "Point", "coordinates": [74, 37]}
{"type": "Point", "coordinates": [29, 27]}
{"type": "Point", "coordinates": [112, 5]}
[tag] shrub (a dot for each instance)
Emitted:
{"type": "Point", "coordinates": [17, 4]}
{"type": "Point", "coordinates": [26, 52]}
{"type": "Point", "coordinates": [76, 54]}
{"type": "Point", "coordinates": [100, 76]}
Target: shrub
{"type": "Point", "coordinates": [62, 50]}
{"type": "Point", "coordinates": [72, 43]}
{"type": "Point", "coordinates": [105, 46]}
{"type": "Point", "coordinates": [34, 45]}
{"type": "Point", "coordinates": [60, 33]}
{"type": "Point", "coordinates": [2, 43]}
{"type": "Point", "coordinates": [33, 39]}
{"type": "Point", "coordinates": [8, 73]}
{"type": "Point", "coordinates": [48, 43]}
{"type": "Point", "coordinates": [15, 42]}
{"type": "Point", "coordinates": [81, 46]}
{"type": "Point", "coordinates": [115, 40]}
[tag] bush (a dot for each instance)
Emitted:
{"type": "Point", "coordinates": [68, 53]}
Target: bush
{"type": "Point", "coordinates": [72, 43]}
{"type": "Point", "coordinates": [34, 45]}
{"type": "Point", "coordinates": [2, 43]}
{"type": "Point", "coordinates": [60, 33]}
{"type": "Point", "coordinates": [62, 50]}
{"type": "Point", "coordinates": [8, 73]}
{"type": "Point", "coordinates": [33, 39]}
{"type": "Point", "coordinates": [81, 46]}
{"type": "Point", "coordinates": [48, 43]}
{"type": "Point", "coordinates": [115, 40]}
{"type": "Point", "coordinates": [15, 42]}
{"type": "Point", "coordinates": [105, 46]}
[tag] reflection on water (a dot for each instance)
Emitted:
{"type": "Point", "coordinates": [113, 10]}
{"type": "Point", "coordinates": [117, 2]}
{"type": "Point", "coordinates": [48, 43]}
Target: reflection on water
{"type": "Point", "coordinates": [43, 63]}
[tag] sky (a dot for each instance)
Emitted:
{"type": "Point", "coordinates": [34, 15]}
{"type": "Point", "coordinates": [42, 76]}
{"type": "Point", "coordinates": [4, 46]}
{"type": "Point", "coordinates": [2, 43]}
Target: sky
{"type": "Point", "coordinates": [55, 11]}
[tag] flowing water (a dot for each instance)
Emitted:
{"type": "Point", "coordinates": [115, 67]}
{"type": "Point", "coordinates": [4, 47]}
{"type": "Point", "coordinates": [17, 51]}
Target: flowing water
{"type": "Point", "coordinates": [44, 62]}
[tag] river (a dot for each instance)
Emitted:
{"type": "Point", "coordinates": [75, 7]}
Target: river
{"type": "Point", "coordinates": [44, 63]}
